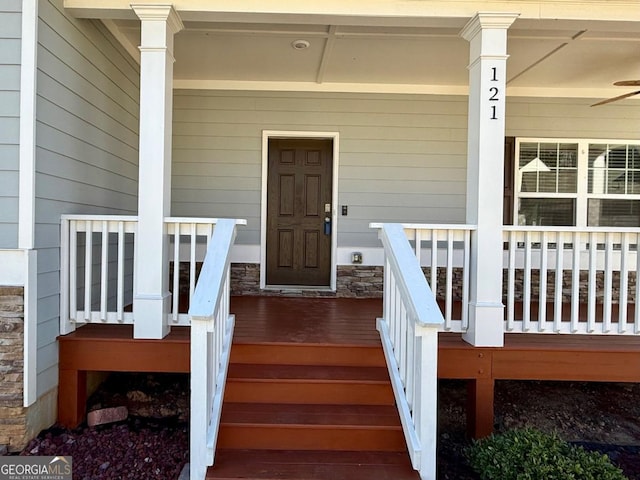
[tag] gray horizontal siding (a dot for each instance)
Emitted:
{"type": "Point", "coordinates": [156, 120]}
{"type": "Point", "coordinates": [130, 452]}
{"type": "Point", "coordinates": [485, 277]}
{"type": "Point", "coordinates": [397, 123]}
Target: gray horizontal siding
{"type": "Point", "coordinates": [86, 147]}
{"type": "Point", "coordinates": [572, 118]}
{"type": "Point", "coordinates": [402, 158]}
{"type": "Point", "coordinates": [10, 47]}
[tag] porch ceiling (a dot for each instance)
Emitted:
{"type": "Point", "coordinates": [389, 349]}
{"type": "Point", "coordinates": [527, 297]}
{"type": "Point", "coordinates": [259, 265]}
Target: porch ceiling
{"type": "Point", "coordinates": [550, 57]}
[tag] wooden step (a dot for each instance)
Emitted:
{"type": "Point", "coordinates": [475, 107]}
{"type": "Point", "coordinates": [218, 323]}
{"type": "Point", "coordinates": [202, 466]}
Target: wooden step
{"type": "Point", "coordinates": [310, 465]}
{"type": "Point", "coordinates": [320, 384]}
{"type": "Point", "coordinates": [308, 354]}
{"type": "Point", "coordinates": [310, 427]}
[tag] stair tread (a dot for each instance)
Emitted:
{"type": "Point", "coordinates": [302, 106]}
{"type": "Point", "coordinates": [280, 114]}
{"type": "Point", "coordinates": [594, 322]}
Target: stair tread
{"type": "Point", "coordinates": [307, 372]}
{"type": "Point", "coordinates": [311, 465]}
{"type": "Point", "coordinates": [297, 354]}
{"type": "Point", "coordinates": [361, 416]}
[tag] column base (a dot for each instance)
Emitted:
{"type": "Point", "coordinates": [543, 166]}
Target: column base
{"type": "Point", "coordinates": [486, 325]}
{"type": "Point", "coordinates": [150, 316]}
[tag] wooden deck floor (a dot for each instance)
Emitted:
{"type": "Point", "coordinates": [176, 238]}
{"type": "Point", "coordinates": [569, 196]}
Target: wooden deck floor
{"type": "Point", "coordinates": [276, 320]}
{"type": "Point", "coordinates": [306, 320]}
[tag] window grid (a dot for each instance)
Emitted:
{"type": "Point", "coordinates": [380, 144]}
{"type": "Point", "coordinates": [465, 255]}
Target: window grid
{"type": "Point", "coordinates": [611, 184]}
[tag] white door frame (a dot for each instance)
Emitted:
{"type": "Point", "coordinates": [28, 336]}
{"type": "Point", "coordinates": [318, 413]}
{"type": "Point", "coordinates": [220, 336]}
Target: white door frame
{"type": "Point", "coordinates": [335, 137]}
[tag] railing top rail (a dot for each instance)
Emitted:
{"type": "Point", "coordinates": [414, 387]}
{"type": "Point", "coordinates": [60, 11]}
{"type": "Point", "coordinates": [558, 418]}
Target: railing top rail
{"type": "Point", "coordinates": [101, 218]}
{"type": "Point", "coordinates": [420, 302]}
{"type": "Point", "coordinates": [531, 228]}
{"type": "Point", "coordinates": [208, 292]}
{"type": "Point", "coordinates": [429, 226]}
{"type": "Point", "coordinates": [237, 221]}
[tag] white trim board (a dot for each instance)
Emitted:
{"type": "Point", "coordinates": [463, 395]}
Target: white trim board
{"type": "Point", "coordinates": [335, 137]}
{"type": "Point", "coordinates": [28, 72]}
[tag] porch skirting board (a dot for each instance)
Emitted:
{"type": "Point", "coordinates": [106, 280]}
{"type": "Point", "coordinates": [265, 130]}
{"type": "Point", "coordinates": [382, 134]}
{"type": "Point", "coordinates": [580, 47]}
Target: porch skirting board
{"type": "Point", "coordinates": [586, 358]}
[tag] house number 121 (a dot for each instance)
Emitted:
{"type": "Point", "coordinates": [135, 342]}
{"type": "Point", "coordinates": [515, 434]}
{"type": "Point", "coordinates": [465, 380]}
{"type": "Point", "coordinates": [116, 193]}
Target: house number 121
{"type": "Point", "coordinates": [493, 93]}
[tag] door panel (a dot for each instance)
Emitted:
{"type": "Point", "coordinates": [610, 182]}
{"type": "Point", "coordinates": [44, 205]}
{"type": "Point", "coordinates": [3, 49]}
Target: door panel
{"type": "Point", "coordinates": [299, 184]}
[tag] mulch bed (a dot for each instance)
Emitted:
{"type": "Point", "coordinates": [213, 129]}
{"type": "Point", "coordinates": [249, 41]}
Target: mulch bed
{"type": "Point", "coordinates": [153, 443]}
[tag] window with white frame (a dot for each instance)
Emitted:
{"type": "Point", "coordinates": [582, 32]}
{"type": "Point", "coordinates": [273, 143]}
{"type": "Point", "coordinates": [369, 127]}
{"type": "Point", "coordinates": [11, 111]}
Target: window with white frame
{"type": "Point", "coordinates": [580, 183]}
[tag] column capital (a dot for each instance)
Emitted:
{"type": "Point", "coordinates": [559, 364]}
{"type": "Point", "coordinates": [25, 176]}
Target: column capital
{"type": "Point", "coordinates": [487, 20]}
{"type": "Point", "coordinates": [159, 12]}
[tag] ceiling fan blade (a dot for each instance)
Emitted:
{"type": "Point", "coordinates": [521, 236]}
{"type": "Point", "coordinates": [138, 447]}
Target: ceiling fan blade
{"type": "Point", "coordinates": [628, 83]}
{"type": "Point", "coordinates": [615, 99]}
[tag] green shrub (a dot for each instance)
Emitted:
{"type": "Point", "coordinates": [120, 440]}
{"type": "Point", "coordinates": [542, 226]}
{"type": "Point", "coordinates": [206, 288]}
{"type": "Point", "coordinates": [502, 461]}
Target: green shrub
{"type": "Point", "coordinates": [528, 454]}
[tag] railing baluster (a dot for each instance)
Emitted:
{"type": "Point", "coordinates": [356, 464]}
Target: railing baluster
{"type": "Point", "coordinates": [73, 270]}
{"type": "Point", "coordinates": [397, 315]}
{"type": "Point", "coordinates": [104, 269]}
{"type": "Point", "coordinates": [434, 263]}
{"type": "Point", "coordinates": [88, 265]}
{"type": "Point", "coordinates": [558, 291]}
{"type": "Point", "coordinates": [591, 303]}
{"type": "Point", "coordinates": [608, 281]}
{"type": "Point", "coordinates": [410, 374]}
{"type": "Point", "coordinates": [526, 284]}
{"type": "Point", "coordinates": [418, 244]}
{"type": "Point", "coordinates": [511, 282]}
{"type": "Point", "coordinates": [624, 284]}
{"type": "Point", "coordinates": [120, 281]}
{"type": "Point", "coordinates": [402, 344]}
{"type": "Point", "coordinates": [542, 293]}
{"type": "Point", "coordinates": [449, 282]}
{"type": "Point", "coordinates": [192, 262]}
{"type": "Point", "coordinates": [575, 283]}
{"type": "Point", "coordinates": [175, 301]}
{"type": "Point", "coordinates": [636, 319]}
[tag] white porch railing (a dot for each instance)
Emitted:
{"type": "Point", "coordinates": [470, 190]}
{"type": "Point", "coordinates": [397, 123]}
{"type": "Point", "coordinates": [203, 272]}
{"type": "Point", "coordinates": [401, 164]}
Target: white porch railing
{"type": "Point", "coordinates": [97, 266]}
{"type": "Point", "coordinates": [211, 335]}
{"type": "Point", "coordinates": [570, 268]}
{"type": "Point", "coordinates": [448, 248]}
{"type": "Point", "coordinates": [409, 333]}
{"type": "Point", "coordinates": [96, 269]}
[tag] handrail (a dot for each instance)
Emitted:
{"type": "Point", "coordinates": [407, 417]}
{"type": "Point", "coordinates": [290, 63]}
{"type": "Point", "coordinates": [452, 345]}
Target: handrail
{"type": "Point", "coordinates": [445, 250]}
{"type": "Point", "coordinates": [409, 335]}
{"type": "Point", "coordinates": [411, 280]}
{"type": "Point", "coordinates": [211, 335]}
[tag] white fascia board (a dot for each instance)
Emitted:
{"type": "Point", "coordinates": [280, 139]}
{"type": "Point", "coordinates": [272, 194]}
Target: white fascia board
{"type": "Point", "coordinates": [353, 11]}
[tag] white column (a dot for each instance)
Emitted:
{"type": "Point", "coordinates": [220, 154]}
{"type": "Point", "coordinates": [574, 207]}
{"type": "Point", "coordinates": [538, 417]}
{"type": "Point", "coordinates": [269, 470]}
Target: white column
{"type": "Point", "coordinates": [487, 37]}
{"type": "Point", "coordinates": [151, 301]}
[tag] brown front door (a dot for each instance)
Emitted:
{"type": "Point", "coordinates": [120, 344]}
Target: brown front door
{"type": "Point", "coordinates": [298, 195]}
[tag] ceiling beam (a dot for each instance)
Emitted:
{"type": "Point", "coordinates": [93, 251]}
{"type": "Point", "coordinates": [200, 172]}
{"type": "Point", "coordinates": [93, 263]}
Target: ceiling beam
{"type": "Point", "coordinates": [326, 53]}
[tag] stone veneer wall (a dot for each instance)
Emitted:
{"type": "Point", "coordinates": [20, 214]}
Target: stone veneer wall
{"type": "Point", "coordinates": [353, 281]}
{"type": "Point", "coordinates": [583, 291]}
{"type": "Point", "coordinates": [13, 416]}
